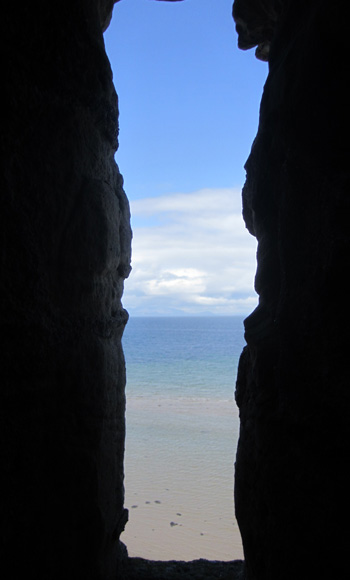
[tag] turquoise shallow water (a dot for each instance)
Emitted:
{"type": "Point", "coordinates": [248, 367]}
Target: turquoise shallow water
{"type": "Point", "coordinates": [182, 431]}
{"type": "Point", "coordinates": [182, 357]}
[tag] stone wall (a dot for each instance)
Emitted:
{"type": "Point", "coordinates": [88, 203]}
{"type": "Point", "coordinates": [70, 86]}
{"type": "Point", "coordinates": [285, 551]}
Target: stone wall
{"type": "Point", "coordinates": [65, 252]}
{"type": "Point", "coordinates": [64, 255]}
{"type": "Point", "coordinates": [292, 487]}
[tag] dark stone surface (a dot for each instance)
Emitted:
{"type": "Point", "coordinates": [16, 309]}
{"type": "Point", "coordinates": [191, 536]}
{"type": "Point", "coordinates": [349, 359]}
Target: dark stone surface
{"type": "Point", "coordinates": [137, 568]}
{"type": "Point", "coordinates": [65, 251]}
{"type": "Point", "coordinates": [256, 21]}
{"type": "Point", "coordinates": [291, 490]}
{"type": "Point", "coordinates": [65, 242]}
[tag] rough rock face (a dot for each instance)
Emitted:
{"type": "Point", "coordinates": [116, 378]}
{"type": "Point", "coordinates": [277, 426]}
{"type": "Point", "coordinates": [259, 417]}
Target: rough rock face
{"type": "Point", "coordinates": [256, 21]}
{"type": "Point", "coordinates": [65, 252]}
{"type": "Point", "coordinates": [64, 255]}
{"type": "Point", "coordinates": [140, 569]}
{"type": "Point", "coordinates": [292, 488]}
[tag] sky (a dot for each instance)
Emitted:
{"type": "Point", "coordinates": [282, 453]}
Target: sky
{"type": "Point", "coordinates": [188, 114]}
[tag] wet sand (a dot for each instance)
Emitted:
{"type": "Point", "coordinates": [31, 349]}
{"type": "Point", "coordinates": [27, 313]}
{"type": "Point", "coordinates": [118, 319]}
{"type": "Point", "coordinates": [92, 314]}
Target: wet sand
{"type": "Point", "coordinates": [179, 481]}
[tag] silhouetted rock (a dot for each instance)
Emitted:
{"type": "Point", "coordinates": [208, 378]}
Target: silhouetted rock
{"type": "Point", "coordinates": [65, 252]}
{"type": "Point", "coordinates": [137, 568]}
{"type": "Point", "coordinates": [291, 491]}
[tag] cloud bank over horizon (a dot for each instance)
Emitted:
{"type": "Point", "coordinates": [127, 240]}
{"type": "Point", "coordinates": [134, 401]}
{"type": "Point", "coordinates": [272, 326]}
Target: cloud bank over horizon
{"type": "Point", "coordinates": [191, 255]}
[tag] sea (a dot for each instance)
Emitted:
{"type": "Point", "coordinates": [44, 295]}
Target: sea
{"type": "Point", "coordinates": [182, 428]}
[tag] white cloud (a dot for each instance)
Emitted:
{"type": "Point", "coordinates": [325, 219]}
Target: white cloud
{"type": "Point", "coordinates": [180, 282]}
{"type": "Point", "coordinates": [191, 255]}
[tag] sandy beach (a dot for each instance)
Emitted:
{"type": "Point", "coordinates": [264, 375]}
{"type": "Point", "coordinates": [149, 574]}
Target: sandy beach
{"type": "Point", "coordinates": [179, 480]}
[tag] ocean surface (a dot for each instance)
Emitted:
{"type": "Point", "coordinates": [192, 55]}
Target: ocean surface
{"type": "Point", "coordinates": [182, 430]}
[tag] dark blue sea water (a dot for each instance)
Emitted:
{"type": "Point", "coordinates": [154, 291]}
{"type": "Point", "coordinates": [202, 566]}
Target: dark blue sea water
{"type": "Point", "coordinates": [182, 432]}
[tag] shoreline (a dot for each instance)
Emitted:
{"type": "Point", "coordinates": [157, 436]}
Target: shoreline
{"type": "Point", "coordinates": [179, 492]}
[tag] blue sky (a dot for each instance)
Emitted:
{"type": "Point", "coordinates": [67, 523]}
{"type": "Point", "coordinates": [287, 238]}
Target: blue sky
{"type": "Point", "coordinates": [189, 106]}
